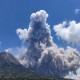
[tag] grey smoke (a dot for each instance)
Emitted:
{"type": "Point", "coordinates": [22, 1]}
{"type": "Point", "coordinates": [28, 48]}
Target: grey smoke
{"type": "Point", "coordinates": [42, 54]}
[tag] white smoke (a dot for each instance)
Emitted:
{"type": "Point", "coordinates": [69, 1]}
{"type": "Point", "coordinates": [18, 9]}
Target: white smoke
{"type": "Point", "coordinates": [22, 33]}
{"type": "Point", "coordinates": [73, 76]}
{"type": "Point", "coordinates": [42, 54]}
{"type": "Point", "coordinates": [69, 32]}
{"type": "Point", "coordinates": [17, 51]}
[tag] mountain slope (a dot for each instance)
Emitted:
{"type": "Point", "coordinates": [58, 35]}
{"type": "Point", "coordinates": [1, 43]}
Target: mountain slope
{"type": "Point", "coordinates": [10, 66]}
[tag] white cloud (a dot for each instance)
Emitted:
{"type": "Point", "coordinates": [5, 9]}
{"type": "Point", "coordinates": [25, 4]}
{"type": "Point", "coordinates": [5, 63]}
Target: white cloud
{"type": "Point", "coordinates": [69, 32]}
{"type": "Point", "coordinates": [39, 16]}
{"type": "Point", "coordinates": [22, 33]}
{"type": "Point", "coordinates": [17, 51]}
{"type": "Point", "coordinates": [73, 76]}
{"type": "Point", "coordinates": [77, 11]}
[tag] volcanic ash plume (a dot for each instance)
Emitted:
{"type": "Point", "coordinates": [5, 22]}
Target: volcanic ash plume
{"type": "Point", "coordinates": [43, 55]}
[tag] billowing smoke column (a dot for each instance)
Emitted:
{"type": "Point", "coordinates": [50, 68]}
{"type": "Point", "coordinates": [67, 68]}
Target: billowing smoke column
{"type": "Point", "coordinates": [43, 55]}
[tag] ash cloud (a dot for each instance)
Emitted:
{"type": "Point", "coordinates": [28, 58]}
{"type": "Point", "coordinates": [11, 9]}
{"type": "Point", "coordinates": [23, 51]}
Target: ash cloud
{"type": "Point", "coordinates": [42, 54]}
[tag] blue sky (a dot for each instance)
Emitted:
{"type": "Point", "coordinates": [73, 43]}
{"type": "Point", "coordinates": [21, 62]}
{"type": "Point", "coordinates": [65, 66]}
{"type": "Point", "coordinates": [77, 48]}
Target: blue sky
{"type": "Point", "coordinates": [16, 14]}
